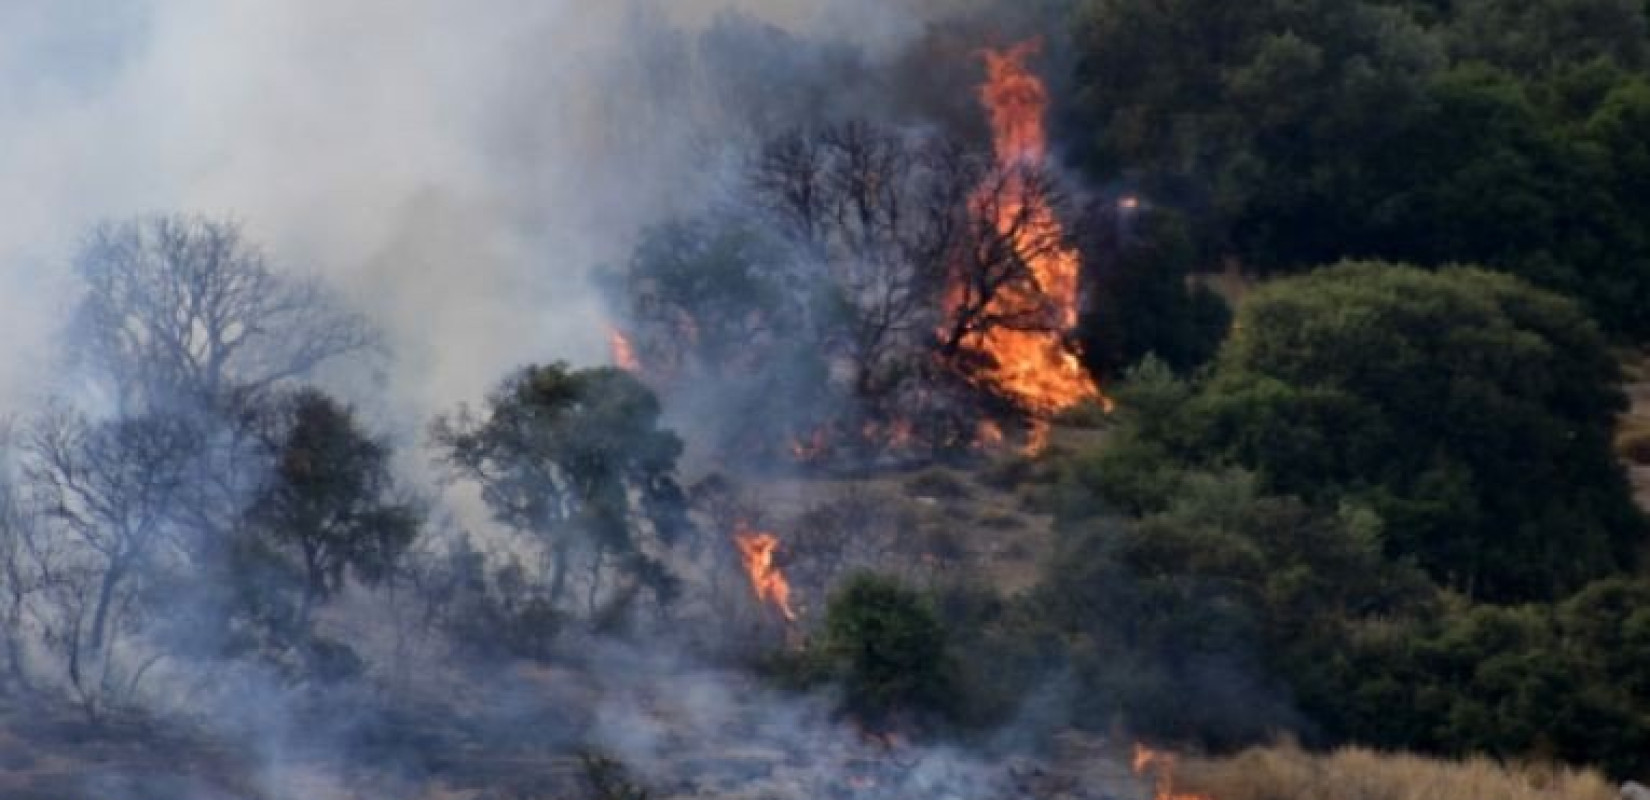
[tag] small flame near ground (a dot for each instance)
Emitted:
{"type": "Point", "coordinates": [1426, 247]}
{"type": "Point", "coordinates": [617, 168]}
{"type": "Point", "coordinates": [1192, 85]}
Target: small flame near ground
{"type": "Point", "coordinates": [811, 447]}
{"type": "Point", "coordinates": [757, 550]}
{"type": "Point", "coordinates": [1160, 765]}
{"type": "Point", "coordinates": [1039, 369]}
{"type": "Point", "coordinates": [988, 434]}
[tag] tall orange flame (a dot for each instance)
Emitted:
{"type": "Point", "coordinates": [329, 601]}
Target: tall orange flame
{"type": "Point", "coordinates": [1037, 368]}
{"type": "Point", "coordinates": [756, 549]}
{"type": "Point", "coordinates": [1161, 766]}
{"type": "Point", "coordinates": [623, 353]}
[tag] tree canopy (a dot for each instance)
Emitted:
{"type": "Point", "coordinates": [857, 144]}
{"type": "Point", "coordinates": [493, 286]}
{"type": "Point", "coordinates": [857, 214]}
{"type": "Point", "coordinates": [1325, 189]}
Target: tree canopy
{"type": "Point", "coordinates": [1472, 411]}
{"type": "Point", "coordinates": [1295, 134]}
{"type": "Point", "coordinates": [559, 453]}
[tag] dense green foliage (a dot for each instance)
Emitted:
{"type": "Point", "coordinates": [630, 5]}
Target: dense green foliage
{"type": "Point", "coordinates": [1472, 412]}
{"type": "Point", "coordinates": [1317, 534]}
{"type": "Point", "coordinates": [1504, 133]}
{"type": "Point", "coordinates": [331, 505]}
{"type": "Point", "coordinates": [887, 647]}
{"type": "Point", "coordinates": [1564, 680]}
{"type": "Point", "coordinates": [1418, 524]}
{"type": "Point", "coordinates": [1177, 620]}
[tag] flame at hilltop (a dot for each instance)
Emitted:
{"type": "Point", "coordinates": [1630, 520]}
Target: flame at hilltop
{"type": "Point", "coordinates": [1038, 369]}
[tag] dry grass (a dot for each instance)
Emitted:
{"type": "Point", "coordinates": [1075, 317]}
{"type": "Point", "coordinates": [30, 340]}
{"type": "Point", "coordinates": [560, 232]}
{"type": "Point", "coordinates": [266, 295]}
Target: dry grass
{"type": "Point", "coordinates": [1285, 772]}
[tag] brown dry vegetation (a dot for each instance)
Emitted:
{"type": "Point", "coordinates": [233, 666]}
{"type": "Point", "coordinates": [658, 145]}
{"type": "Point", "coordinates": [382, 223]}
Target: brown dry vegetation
{"type": "Point", "coordinates": [980, 517]}
{"type": "Point", "coordinates": [1285, 772]}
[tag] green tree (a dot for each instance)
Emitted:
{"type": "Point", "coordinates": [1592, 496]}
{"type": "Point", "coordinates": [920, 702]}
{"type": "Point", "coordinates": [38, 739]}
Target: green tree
{"type": "Point", "coordinates": [1493, 132]}
{"type": "Point", "coordinates": [1218, 109]}
{"type": "Point", "coordinates": [1532, 38]}
{"type": "Point", "coordinates": [701, 292]}
{"type": "Point", "coordinates": [1530, 178]}
{"type": "Point", "coordinates": [1472, 411]}
{"type": "Point", "coordinates": [1183, 615]}
{"type": "Point", "coordinates": [715, 309]}
{"type": "Point", "coordinates": [561, 454]}
{"type": "Point", "coordinates": [889, 649]}
{"type": "Point", "coordinates": [330, 506]}
{"type": "Point", "coordinates": [1515, 681]}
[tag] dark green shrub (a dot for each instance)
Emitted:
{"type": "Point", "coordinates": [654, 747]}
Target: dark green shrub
{"type": "Point", "coordinates": [886, 645]}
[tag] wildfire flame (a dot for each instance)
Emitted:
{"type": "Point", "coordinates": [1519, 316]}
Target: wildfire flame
{"type": "Point", "coordinates": [1037, 368]}
{"type": "Point", "coordinates": [756, 549]}
{"type": "Point", "coordinates": [811, 447]}
{"type": "Point", "coordinates": [1161, 766]}
{"type": "Point", "coordinates": [624, 354]}
{"type": "Point", "coordinates": [988, 434]}
{"type": "Point", "coordinates": [897, 434]}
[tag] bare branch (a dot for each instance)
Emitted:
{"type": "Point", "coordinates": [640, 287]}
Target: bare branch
{"type": "Point", "coordinates": [183, 308]}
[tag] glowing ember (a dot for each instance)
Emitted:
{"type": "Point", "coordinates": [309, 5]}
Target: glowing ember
{"type": "Point", "coordinates": [988, 434]}
{"type": "Point", "coordinates": [624, 355]}
{"type": "Point", "coordinates": [756, 549]}
{"type": "Point", "coordinates": [1161, 766]}
{"type": "Point", "coordinates": [1036, 438]}
{"type": "Point", "coordinates": [811, 448]}
{"type": "Point", "coordinates": [1037, 368]}
{"type": "Point", "coordinates": [898, 434]}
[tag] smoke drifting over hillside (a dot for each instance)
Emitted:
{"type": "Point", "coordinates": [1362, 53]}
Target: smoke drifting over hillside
{"type": "Point", "coordinates": [457, 172]}
{"type": "Point", "coordinates": [455, 168]}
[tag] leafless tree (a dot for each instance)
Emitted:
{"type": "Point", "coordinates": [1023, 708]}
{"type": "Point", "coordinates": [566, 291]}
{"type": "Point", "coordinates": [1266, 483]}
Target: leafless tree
{"type": "Point", "coordinates": [922, 237]}
{"type": "Point", "coordinates": [185, 308]}
{"type": "Point", "coordinates": [879, 212]}
{"type": "Point", "coordinates": [20, 576]}
{"type": "Point", "coordinates": [992, 283]}
{"type": "Point", "coordinates": [788, 177]}
{"type": "Point", "coordinates": [108, 492]}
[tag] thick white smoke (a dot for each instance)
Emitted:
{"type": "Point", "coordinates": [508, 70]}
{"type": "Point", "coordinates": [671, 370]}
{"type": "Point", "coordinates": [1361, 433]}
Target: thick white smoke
{"type": "Point", "coordinates": [456, 168]}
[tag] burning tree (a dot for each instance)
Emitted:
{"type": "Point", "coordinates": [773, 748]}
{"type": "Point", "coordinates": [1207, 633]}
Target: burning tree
{"type": "Point", "coordinates": [907, 284]}
{"type": "Point", "coordinates": [1013, 303]}
{"type": "Point", "coordinates": [875, 216]}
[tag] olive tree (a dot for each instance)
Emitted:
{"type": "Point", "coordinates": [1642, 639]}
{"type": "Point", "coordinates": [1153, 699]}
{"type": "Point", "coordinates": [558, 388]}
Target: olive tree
{"type": "Point", "coordinates": [576, 459]}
